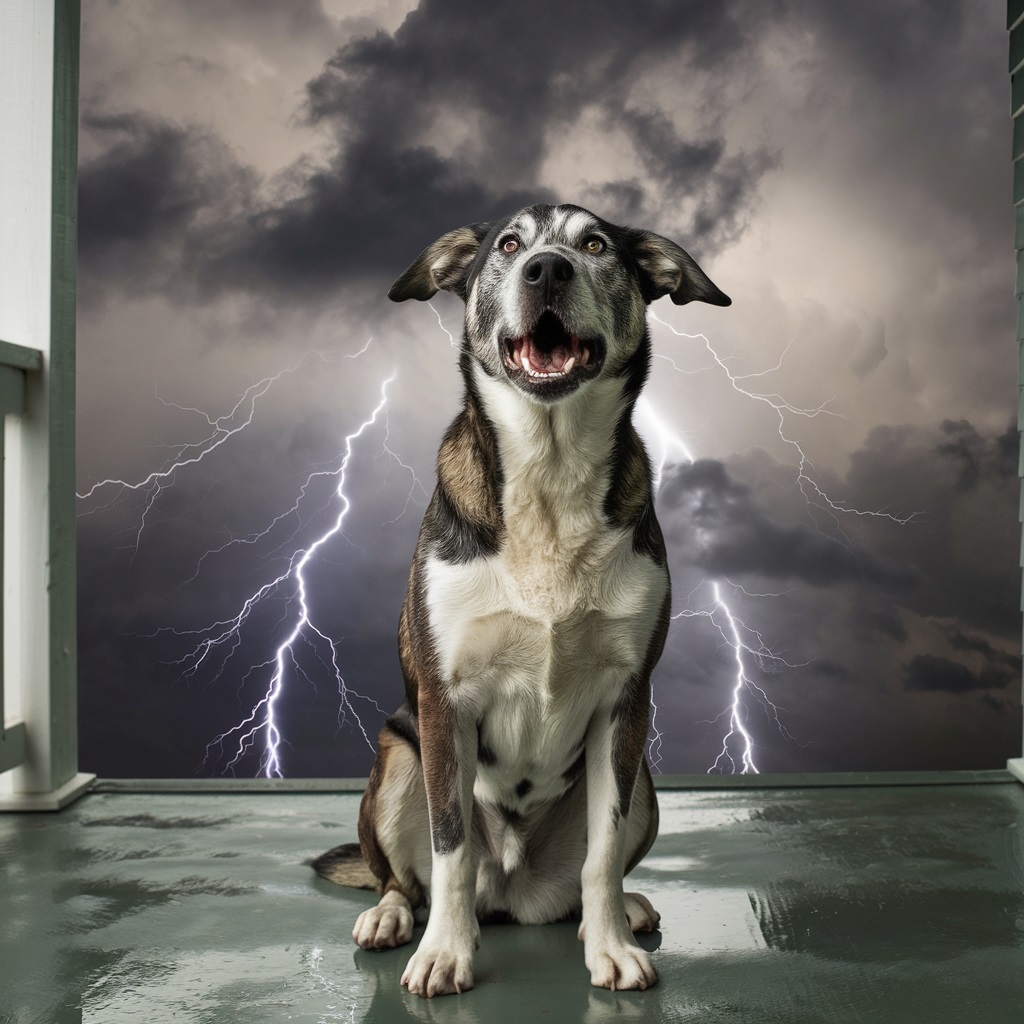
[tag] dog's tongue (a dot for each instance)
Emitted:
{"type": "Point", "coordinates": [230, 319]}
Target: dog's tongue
{"type": "Point", "coordinates": [544, 362]}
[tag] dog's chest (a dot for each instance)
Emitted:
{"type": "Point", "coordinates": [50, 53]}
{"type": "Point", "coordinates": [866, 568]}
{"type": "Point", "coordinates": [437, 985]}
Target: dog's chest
{"type": "Point", "coordinates": [531, 640]}
{"type": "Point", "coordinates": [557, 603]}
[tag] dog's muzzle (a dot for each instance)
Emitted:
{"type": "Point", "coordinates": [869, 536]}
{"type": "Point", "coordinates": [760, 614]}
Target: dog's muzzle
{"type": "Point", "coordinates": [551, 360]}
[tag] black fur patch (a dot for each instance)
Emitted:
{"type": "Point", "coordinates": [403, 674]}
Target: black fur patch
{"type": "Point", "coordinates": [647, 536]}
{"type": "Point", "coordinates": [629, 500]}
{"type": "Point", "coordinates": [484, 754]}
{"type": "Point", "coordinates": [630, 704]}
{"type": "Point", "coordinates": [456, 539]}
{"type": "Point", "coordinates": [447, 831]}
{"type": "Point", "coordinates": [524, 788]}
{"type": "Point", "coordinates": [403, 723]}
{"type": "Point", "coordinates": [575, 771]}
{"type": "Point", "coordinates": [511, 816]}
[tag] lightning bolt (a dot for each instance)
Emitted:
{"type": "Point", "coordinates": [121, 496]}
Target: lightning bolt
{"type": "Point", "coordinates": [220, 641]}
{"type": "Point", "coordinates": [746, 644]}
{"type": "Point", "coordinates": [191, 453]}
{"type": "Point", "coordinates": [814, 494]}
{"type": "Point", "coordinates": [667, 441]}
{"type": "Point", "coordinates": [440, 323]}
{"type": "Point", "coordinates": [732, 631]}
{"type": "Point", "coordinates": [263, 719]}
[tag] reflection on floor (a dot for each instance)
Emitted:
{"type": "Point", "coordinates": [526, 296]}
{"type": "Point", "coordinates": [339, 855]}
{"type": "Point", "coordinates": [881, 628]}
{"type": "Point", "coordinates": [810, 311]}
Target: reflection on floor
{"type": "Point", "coordinates": [796, 906]}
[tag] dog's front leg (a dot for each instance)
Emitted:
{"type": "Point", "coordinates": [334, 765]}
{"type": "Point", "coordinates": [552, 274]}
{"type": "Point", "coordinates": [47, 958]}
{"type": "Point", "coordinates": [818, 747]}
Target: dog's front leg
{"type": "Point", "coordinates": [615, 743]}
{"type": "Point", "coordinates": [443, 963]}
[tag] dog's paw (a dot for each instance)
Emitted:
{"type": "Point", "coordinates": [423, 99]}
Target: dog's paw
{"type": "Point", "coordinates": [641, 915]}
{"type": "Point", "coordinates": [619, 966]}
{"type": "Point", "coordinates": [436, 971]}
{"type": "Point", "coordinates": [384, 926]}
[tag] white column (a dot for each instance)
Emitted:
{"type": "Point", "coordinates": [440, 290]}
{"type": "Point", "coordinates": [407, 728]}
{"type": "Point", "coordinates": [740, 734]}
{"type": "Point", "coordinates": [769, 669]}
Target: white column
{"type": "Point", "coordinates": [38, 152]}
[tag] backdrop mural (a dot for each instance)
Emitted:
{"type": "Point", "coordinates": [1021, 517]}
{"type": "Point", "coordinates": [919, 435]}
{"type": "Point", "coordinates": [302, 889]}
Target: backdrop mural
{"type": "Point", "coordinates": [837, 451]}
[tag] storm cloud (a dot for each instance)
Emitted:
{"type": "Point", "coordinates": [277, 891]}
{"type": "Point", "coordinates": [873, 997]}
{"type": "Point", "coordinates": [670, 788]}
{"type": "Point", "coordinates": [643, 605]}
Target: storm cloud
{"type": "Point", "coordinates": [933, 674]}
{"type": "Point", "coordinates": [447, 121]}
{"type": "Point", "coordinates": [254, 174]}
{"type": "Point", "coordinates": [155, 205]}
{"type": "Point", "coordinates": [716, 524]}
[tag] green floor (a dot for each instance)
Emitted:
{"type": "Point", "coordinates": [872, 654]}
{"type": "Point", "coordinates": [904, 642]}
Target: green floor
{"type": "Point", "coordinates": [859, 905]}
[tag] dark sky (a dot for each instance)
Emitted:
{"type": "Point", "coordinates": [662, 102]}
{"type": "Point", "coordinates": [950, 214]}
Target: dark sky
{"type": "Point", "coordinates": [840, 460]}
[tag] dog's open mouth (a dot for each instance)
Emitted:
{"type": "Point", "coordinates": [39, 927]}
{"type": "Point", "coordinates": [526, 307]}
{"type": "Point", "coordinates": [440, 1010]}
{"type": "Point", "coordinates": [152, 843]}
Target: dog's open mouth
{"type": "Point", "coordinates": [551, 353]}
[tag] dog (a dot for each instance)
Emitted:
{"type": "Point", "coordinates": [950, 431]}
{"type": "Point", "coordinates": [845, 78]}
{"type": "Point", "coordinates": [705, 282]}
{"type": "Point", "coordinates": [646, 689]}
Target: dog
{"type": "Point", "coordinates": [512, 782]}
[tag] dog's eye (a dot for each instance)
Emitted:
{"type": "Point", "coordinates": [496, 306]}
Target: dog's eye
{"type": "Point", "coordinates": [594, 245]}
{"type": "Point", "coordinates": [509, 244]}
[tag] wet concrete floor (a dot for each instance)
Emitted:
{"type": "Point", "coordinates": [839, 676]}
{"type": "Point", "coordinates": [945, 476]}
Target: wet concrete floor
{"type": "Point", "coordinates": [796, 906]}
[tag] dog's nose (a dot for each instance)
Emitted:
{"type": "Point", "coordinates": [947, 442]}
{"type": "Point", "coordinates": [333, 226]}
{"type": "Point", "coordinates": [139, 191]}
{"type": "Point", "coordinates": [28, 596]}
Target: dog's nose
{"type": "Point", "coordinates": [548, 270]}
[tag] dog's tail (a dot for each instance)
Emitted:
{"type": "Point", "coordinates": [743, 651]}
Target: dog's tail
{"type": "Point", "coordinates": [344, 865]}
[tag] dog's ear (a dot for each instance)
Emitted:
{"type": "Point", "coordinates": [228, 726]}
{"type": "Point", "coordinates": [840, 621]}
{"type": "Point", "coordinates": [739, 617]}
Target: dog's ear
{"type": "Point", "coordinates": [442, 265]}
{"type": "Point", "coordinates": [667, 269]}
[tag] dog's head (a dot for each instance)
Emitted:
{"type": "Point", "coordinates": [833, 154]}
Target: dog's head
{"type": "Point", "coordinates": [555, 296]}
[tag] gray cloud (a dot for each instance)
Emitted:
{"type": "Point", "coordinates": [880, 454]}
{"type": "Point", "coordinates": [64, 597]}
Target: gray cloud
{"type": "Point", "coordinates": [902, 62]}
{"type": "Point", "coordinates": [872, 351]}
{"type": "Point", "coordinates": [298, 18]}
{"type": "Point", "coordinates": [716, 523]}
{"type": "Point", "coordinates": [394, 191]}
{"type": "Point", "coordinates": [933, 674]}
{"type": "Point", "coordinates": [961, 641]}
{"type": "Point", "coordinates": [832, 669]}
{"type": "Point", "coordinates": [162, 193]}
{"type": "Point", "coordinates": [963, 483]}
{"type": "Point", "coordinates": [152, 204]}
{"type": "Point", "coordinates": [892, 44]}
{"type": "Point", "coordinates": [878, 619]}
{"type": "Point", "coordinates": [975, 455]}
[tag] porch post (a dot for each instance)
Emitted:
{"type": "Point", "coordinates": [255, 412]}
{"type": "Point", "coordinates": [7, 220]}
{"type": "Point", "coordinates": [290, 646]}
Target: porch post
{"type": "Point", "coordinates": [38, 208]}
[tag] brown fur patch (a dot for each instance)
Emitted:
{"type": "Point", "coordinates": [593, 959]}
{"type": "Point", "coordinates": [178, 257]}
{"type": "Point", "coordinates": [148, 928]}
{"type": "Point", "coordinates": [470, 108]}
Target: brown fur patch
{"type": "Point", "coordinates": [372, 851]}
{"type": "Point", "coordinates": [467, 466]}
{"type": "Point", "coordinates": [406, 657]}
{"type": "Point", "coordinates": [435, 716]}
{"type": "Point", "coordinates": [344, 865]}
{"type": "Point", "coordinates": [441, 771]}
{"type": "Point", "coordinates": [443, 264]}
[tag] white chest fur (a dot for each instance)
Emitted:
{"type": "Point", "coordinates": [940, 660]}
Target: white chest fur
{"type": "Point", "coordinates": [537, 636]}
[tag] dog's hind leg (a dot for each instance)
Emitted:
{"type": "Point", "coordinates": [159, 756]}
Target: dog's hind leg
{"type": "Point", "coordinates": [640, 914]}
{"type": "Point", "coordinates": [394, 837]}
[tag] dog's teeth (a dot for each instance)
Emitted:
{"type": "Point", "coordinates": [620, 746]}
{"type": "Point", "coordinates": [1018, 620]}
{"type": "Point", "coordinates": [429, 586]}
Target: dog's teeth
{"type": "Point", "coordinates": [585, 357]}
{"type": "Point", "coordinates": [569, 364]}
